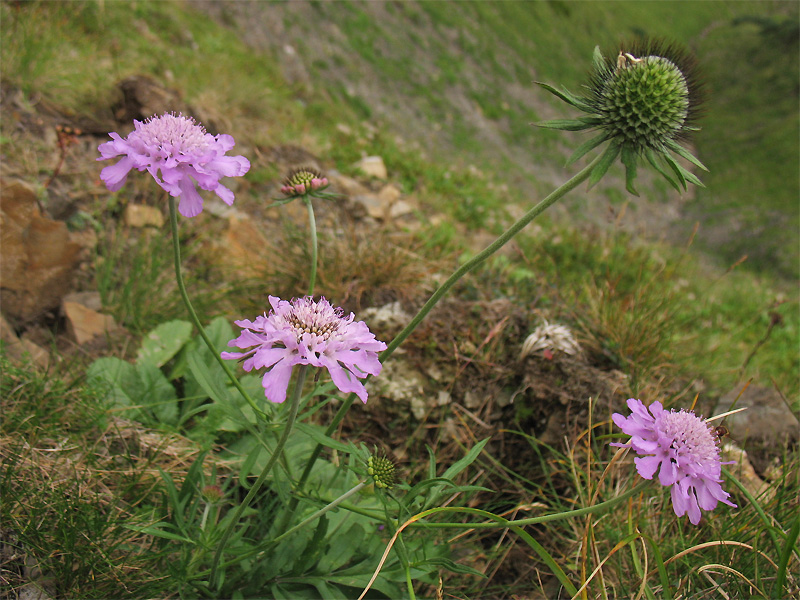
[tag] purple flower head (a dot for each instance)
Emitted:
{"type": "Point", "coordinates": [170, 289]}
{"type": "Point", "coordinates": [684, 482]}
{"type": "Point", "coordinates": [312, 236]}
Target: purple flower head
{"type": "Point", "coordinates": [183, 152]}
{"type": "Point", "coordinates": [684, 447]}
{"type": "Point", "coordinates": [305, 332]}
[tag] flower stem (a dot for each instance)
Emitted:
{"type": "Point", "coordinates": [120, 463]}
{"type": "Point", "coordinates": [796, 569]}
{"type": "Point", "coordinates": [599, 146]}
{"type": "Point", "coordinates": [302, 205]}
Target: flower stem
{"type": "Point", "coordinates": [578, 512]}
{"type": "Point", "coordinates": [312, 224]}
{"type": "Point", "coordinates": [176, 247]}
{"type": "Point", "coordinates": [468, 266]}
{"type": "Point", "coordinates": [476, 260]}
{"type": "Point", "coordinates": [293, 407]}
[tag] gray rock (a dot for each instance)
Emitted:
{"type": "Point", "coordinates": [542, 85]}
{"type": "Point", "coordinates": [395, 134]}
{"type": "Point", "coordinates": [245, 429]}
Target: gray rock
{"type": "Point", "coordinates": [767, 419]}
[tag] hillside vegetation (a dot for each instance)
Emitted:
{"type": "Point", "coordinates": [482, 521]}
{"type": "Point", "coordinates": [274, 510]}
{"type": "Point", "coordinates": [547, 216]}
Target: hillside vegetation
{"type": "Point", "coordinates": [123, 486]}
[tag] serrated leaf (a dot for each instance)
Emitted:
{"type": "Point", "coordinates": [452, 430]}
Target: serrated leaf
{"type": "Point", "coordinates": [606, 160]}
{"type": "Point", "coordinates": [164, 342]}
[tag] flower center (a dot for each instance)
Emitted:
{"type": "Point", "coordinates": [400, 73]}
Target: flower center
{"type": "Point", "coordinates": [178, 135]}
{"type": "Point", "coordinates": [312, 319]}
{"type": "Point", "coordinates": [691, 436]}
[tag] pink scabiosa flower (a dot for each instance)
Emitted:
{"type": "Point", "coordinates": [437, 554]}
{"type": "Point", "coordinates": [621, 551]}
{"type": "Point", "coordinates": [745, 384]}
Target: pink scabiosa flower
{"type": "Point", "coordinates": [305, 332]}
{"type": "Point", "coordinates": [183, 152]}
{"type": "Point", "coordinates": [684, 447]}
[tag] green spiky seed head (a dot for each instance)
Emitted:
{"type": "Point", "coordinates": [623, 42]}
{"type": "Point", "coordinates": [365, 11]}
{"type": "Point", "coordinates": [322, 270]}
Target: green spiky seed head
{"type": "Point", "coordinates": [645, 101]}
{"type": "Point", "coordinates": [382, 471]}
{"type": "Point", "coordinates": [642, 103]}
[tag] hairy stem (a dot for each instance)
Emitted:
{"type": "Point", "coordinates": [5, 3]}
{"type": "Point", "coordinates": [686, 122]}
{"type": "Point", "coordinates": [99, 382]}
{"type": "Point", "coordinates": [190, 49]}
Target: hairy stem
{"type": "Point", "coordinates": [176, 247]}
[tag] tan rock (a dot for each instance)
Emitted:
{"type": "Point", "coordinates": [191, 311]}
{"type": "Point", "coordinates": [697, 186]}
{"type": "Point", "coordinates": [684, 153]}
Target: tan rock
{"type": "Point", "coordinates": [389, 194]}
{"type": "Point", "coordinates": [370, 205]}
{"type": "Point", "coordinates": [37, 257]}
{"type": "Point", "coordinates": [743, 470]}
{"type": "Point", "coordinates": [22, 351]}
{"type": "Point", "coordinates": [346, 185]}
{"type": "Point", "coordinates": [141, 215]}
{"type": "Point", "coordinates": [84, 324]}
{"type": "Point", "coordinates": [372, 166]}
{"type": "Point", "coordinates": [245, 247]}
{"type": "Point", "coordinates": [401, 208]}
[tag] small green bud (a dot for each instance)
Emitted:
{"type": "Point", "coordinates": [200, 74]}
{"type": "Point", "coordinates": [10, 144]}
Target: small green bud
{"type": "Point", "coordinates": [382, 471]}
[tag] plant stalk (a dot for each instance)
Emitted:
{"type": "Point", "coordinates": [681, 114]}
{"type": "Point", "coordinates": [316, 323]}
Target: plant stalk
{"type": "Point", "coordinates": [312, 224]}
{"type": "Point", "coordinates": [176, 248]}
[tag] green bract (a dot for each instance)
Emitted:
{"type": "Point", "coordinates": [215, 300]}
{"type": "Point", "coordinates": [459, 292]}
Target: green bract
{"type": "Point", "coordinates": [644, 103]}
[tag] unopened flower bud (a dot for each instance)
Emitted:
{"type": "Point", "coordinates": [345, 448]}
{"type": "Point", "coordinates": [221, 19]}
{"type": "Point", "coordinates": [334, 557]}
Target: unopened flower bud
{"type": "Point", "coordinates": [302, 181]}
{"type": "Point", "coordinates": [382, 471]}
{"type": "Point", "coordinates": [212, 494]}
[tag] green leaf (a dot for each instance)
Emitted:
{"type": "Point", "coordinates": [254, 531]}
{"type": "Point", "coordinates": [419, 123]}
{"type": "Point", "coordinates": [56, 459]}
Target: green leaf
{"type": "Point", "coordinates": [209, 381]}
{"type": "Point", "coordinates": [317, 434]}
{"type": "Point", "coordinates": [681, 151]}
{"type": "Point", "coordinates": [342, 548]}
{"type": "Point", "coordinates": [563, 95]}
{"type": "Point", "coordinates": [453, 471]}
{"type": "Point", "coordinates": [629, 159]}
{"type": "Point", "coordinates": [586, 147]}
{"type": "Point", "coordinates": [454, 567]}
{"type": "Point", "coordinates": [157, 394]}
{"type": "Point", "coordinates": [164, 342]}
{"type": "Point", "coordinates": [598, 61]}
{"type": "Point", "coordinates": [314, 547]}
{"type": "Point", "coordinates": [651, 158]}
{"type": "Point", "coordinates": [138, 388]}
{"type": "Point", "coordinates": [156, 531]}
{"type": "Point", "coordinates": [564, 124]}
{"type": "Point", "coordinates": [682, 173]}
{"type": "Point", "coordinates": [606, 160]}
{"type": "Point", "coordinates": [119, 380]}
{"type": "Point", "coordinates": [462, 464]}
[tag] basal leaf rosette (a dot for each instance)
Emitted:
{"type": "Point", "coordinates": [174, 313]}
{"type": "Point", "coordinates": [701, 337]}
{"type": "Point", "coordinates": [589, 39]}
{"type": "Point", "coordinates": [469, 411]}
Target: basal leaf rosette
{"type": "Point", "coordinates": [643, 103]}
